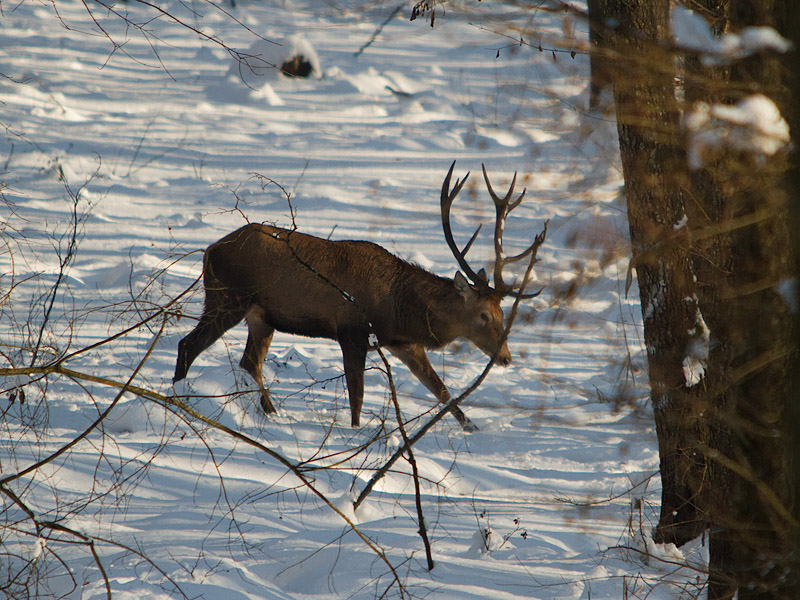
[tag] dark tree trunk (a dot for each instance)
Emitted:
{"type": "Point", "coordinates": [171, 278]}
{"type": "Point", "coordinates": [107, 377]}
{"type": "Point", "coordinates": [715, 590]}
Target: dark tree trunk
{"type": "Point", "coordinates": [793, 584]}
{"type": "Point", "coordinates": [600, 42]}
{"type": "Point", "coordinates": [710, 249]}
{"type": "Point", "coordinates": [652, 161]}
{"type": "Point", "coordinates": [739, 225]}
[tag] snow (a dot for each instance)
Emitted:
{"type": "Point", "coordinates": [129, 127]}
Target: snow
{"type": "Point", "coordinates": [154, 148]}
{"type": "Point", "coordinates": [787, 290]}
{"type": "Point", "coordinates": [696, 355]}
{"type": "Point", "coordinates": [754, 125]}
{"type": "Point", "coordinates": [690, 31]}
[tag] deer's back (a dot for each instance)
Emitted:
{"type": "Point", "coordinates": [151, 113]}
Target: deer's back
{"type": "Point", "coordinates": [311, 286]}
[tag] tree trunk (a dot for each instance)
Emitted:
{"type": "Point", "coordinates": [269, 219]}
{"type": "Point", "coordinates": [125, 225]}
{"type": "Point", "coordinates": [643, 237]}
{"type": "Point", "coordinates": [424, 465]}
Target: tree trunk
{"type": "Point", "coordinates": [793, 416]}
{"type": "Point", "coordinates": [711, 252]}
{"type": "Point", "coordinates": [600, 41]}
{"type": "Point", "coordinates": [652, 159]}
{"type": "Point", "coordinates": [739, 226]}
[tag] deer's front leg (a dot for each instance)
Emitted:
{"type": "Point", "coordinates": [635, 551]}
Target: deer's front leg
{"type": "Point", "coordinates": [415, 358]}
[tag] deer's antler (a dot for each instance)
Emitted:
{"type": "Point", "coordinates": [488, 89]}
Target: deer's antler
{"type": "Point", "coordinates": [447, 198]}
{"type": "Point", "coordinates": [503, 206]}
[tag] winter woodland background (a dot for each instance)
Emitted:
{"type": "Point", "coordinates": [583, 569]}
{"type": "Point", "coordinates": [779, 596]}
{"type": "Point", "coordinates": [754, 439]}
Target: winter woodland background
{"type": "Point", "coordinates": [136, 135]}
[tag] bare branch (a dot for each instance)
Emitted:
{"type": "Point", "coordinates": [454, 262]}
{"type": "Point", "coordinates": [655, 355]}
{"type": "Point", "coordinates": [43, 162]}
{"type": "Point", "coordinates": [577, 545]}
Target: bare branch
{"type": "Point", "coordinates": [423, 531]}
{"type": "Point", "coordinates": [380, 473]}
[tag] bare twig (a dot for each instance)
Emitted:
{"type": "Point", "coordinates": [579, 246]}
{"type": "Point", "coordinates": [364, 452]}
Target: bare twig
{"type": "Point", "coordinates": [267, 181]}
{"type": "Point", "coordinates": [423, 531]}
{"type": "Point", "coordinates": [380, 473]}
{"type": "Point", "coordinates": [65, 260]}
{"type": "Point", "coordinates": [378, 31]}
{"type": "Point", "coordinates": [58, 368]}
{"type": "Point", "coordinates": [174, 402]}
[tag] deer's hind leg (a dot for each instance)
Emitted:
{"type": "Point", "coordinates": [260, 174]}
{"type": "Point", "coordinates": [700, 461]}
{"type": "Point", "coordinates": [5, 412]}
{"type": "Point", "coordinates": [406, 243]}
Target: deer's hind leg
{"type": "Point", "coordinates": [354, 353]}
{"type": "Point", "coordinates": [259, 338]}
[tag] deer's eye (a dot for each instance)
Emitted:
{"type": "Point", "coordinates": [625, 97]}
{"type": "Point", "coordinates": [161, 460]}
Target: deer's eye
{"type": "Point", "coordinates": [485, 317]}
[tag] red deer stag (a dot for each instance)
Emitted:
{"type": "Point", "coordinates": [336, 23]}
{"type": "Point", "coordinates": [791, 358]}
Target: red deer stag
{"type": "Point", "coordinates": [350, 291]}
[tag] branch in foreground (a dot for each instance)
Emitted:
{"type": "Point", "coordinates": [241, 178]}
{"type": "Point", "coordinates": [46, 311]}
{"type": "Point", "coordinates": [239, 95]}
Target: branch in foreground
{"type": "Point", "coordinates": [423, 531]}
{"type": "Point", "coordinates": [453, 404]}
{"type": "Point", "coordinates": [173, 402]}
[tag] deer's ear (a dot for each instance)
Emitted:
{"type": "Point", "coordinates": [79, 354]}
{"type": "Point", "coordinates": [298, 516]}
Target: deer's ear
{"type": "Point", "coordinates": [482, 276]}
{"type": "Point", "coordinates": [462, 286]}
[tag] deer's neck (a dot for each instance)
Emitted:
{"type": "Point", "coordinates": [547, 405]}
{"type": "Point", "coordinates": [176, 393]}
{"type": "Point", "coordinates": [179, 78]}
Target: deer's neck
{"type": "Point", "coordinates": [433, 311]}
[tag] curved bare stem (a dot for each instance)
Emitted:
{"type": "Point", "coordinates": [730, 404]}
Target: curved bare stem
{"type": "Point", "coordinates": [380, 473]}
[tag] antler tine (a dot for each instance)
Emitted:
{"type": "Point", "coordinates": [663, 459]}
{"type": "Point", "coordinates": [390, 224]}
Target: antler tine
{"type": "Point", "coordinates": [503, 206]}
{"type": "Point", "coordinates": [472, 240]}
{"type": "Point", "coordinates": [527, 252]}
{"type": "Point", "coordinates": [518, 201]}
{"type": "Point", "coordinates": [505, 200]}
{"type": "Point", "coordinates": [533, 249]}
{"type": "Point", "coordinates": [501, 210]}
{"type": "Point", "coordinates": [447, 198]}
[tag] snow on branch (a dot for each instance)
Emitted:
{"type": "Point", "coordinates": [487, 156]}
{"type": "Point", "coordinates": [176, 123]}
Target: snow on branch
{"type": "Point", "coordinates": [692, 32]}
{"type": "Point", "coordinates": [754, 124]}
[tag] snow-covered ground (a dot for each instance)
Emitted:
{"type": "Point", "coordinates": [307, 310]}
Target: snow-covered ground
{"type": "Point", "coordinates": [151, 150]}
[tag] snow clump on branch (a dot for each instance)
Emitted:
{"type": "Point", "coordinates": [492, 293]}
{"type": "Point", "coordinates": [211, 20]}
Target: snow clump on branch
{"type": "Point", "coordinates": [754, 124]}
{"type": "Point", "coordinates": [692, 32]}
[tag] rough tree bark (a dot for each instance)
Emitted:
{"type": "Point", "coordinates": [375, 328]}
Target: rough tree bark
{"type": "Point", "coordinates": [793, 584]}
{"type": "Point", "coordinates": [653, 158]}
{"type": "Point", "coordinates": [710, 249]}
{"type": "Point", "coordinates": [738, 220]}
